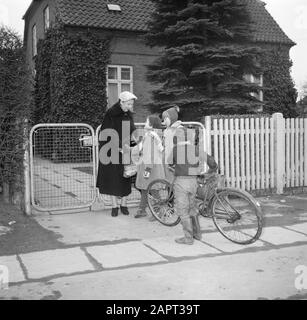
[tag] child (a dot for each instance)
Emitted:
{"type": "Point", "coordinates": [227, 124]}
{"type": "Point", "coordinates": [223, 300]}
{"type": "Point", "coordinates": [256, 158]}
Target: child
{"type": "Point", "coordinates": [150, 165]}
{"type": "Point", "coordinates": [170, 120]}
{"type": "Point", "coordinates": [187, 161]}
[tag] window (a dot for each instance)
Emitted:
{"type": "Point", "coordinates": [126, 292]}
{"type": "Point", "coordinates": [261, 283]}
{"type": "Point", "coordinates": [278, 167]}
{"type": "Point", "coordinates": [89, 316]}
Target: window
{"type": "Point", "coordinates": [113, 7]}
{"type": "Point", "coordinates": [46, 19]}
{"type": "Point", "coordinates": [119, 79]}
{"type": "Point", "coordinates": [34, 41]}
{"type": "Point", "coordinates": [257, 80]}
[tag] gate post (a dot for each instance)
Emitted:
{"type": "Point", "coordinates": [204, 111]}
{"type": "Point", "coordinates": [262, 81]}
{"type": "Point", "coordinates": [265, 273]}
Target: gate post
{"type": "Point", "coordinates": [279, 139]}
{"type": "Point", "coordinates": [27, 182]}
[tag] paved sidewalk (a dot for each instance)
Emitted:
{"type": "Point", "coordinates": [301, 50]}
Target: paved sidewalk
{"type": "Point", "coordinates": [96, 242]}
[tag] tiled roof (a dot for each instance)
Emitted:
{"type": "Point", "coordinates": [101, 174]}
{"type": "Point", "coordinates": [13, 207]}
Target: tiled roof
{"type": "Point", "coordinates": [135, 14]}
{"type": "Point", "coordinates": [266, 29]}
{"type": "Point", "coordinates": [94, 13]}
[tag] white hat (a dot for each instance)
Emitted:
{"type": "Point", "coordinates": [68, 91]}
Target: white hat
{"type": "Point", "coordinates": [126, 96]}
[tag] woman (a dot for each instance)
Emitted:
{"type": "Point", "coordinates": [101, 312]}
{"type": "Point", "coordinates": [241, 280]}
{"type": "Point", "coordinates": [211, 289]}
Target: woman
{"type": "Point", "coordinates": [110, 179]}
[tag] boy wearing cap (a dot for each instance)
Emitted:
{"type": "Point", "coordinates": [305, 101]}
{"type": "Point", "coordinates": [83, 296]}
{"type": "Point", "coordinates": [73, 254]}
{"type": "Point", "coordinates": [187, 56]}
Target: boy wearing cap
{"type": "Point", "coordinates": [170, 120]}
{"type": "Point", "coordinates": [187, 161]}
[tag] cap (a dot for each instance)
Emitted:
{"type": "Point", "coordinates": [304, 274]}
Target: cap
{"type": "Point", "coordinates": [172, 113]}
{"type": "Point", "coordinates": [126, 96]}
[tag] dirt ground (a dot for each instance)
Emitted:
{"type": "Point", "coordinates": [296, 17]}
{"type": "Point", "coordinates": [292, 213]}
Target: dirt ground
{"type": "Point", "coordinates": [25, 234]}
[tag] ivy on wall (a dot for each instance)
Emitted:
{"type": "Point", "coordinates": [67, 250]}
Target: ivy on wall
{"type": "Point", "coordinates": [70, 77]}
{"type": "Point", "coordinates": [280, 94]}
{"type": "Point", "coordinates": [70, 87]}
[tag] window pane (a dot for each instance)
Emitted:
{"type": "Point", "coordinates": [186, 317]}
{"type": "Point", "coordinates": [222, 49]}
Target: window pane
{"type": "Point", "coordinates": [34, 41]}
{"type": "Point", "coordinates": [112, 73]}
{"type": "Point", "coordinates": [112, 94]}
{"type": "Point", "coordinates": [125, 74]}
{"type": "Point", "coordinates": [125, 87]}
{"type": "Point", "coordinates": [46, 18]}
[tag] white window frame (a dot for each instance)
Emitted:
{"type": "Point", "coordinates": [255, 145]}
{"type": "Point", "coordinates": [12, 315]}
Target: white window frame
{"type": "Point", "coordinates": [34, 41]}
{"type": "Point", "coordinates": [46, 16]}
{"type": "Point", "coordinates": [119, 81]}
{"type": "Point", "coordinates": [253, 79]}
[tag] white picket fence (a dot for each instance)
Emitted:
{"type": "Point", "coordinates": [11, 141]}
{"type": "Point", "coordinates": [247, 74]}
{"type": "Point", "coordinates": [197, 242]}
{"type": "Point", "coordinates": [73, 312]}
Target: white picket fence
{"type": "Point", "coordinates": [259, 153]}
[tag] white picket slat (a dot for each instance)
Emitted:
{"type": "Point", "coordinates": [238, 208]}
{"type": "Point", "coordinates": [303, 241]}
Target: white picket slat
{"type": "Point", "coordinates": [247, 140]}
{"type": "Point", "coordinates": [237, 153]}
{"type": "Point", "coordinates": [305, 152]}
{"type": "Point", "coordinates": [287, 153]}
{"type": "Point", "coordinates": [232, 154]}
{"type": "Point", "coordinates": [257, 155]}
{"type": "Point", "coordinates": [227, 150]}
{"type": "Point", "coordinates": [252, 135]}
{"type": "Point", "coordinates": [272, 154]}
{"type": "Point", "coordinates": [302, 152]}
{"type": "Point", "coordinates": [262, 173]}
{"type": "Point", "coordinates": [215, 141]}
{"type": "Point", "coordinates": [242, 157]}
{"type": "Point", "coordinates": [221, 146]}
{"type": "Point", "coordinates": [292, 158]}
{"type": "Point", "coordinates": [296, 152]}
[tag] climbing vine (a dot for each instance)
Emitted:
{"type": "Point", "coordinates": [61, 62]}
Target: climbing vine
{"type": "Point", "coordinates": [71, 77]}
{"type": "Point", "coordinates": [280, 94]}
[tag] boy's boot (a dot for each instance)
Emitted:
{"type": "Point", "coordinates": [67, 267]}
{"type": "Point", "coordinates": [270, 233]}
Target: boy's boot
{"type": "Point", "coordinates": [188, 232]}
{"type": "Point", "coordinates": [142, 206]}
{"type": "Point", "coordinates": [140, 213]}
{"type": "Point", "coordinates": [196, 227]}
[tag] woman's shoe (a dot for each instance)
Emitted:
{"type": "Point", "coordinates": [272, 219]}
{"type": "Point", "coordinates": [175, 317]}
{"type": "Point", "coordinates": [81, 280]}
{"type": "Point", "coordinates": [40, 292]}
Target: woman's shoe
{"type": "Point", "coordinates": [114, 212]}
{"type": "Point", "coordinates": [124, 210]}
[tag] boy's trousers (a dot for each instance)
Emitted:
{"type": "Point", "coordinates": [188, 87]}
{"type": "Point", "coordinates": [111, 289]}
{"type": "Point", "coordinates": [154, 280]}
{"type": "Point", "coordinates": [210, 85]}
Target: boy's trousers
{"type": "Point", "coordinates": [185, 188]}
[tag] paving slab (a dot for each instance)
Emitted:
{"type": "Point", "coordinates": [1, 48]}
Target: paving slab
{"type": "Point", "coordinates": [301, 227]}
{"type": "Point", "coordinates": [98, 226]}
{"type": "Point", "coordinates": [280, 236]}
{"type": "Point", "coordinates": [218, 241]}
{"type": "Point", "coordinates": [124, 254]}
{"type": "Point", "coordinates": [53, 262]}
{"type": "Point", "coordinates": [14, 268]}
{"type": "Point", "coordinates": [168, 247]}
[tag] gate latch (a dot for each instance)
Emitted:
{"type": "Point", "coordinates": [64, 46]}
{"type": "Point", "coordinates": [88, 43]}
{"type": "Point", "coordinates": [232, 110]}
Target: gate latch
{"type": "Point", "coordinates": [86, 141]}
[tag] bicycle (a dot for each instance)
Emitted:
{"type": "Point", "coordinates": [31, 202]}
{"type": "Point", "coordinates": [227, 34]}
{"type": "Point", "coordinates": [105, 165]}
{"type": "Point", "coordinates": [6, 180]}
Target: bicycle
{"type": "Point", "coordinates": [235, 213]}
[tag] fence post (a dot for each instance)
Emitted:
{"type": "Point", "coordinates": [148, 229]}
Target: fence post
{"type": "Point", "coordinates": [279, 125]}
{"type": "Point", "coordinates": [208, 134]}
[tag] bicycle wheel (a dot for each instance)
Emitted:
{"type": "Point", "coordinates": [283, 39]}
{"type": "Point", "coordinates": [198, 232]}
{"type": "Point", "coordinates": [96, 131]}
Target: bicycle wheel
{"type": "Point", "coordinates": [237, 215]}
{"type": "Point", "coordinates": [160, 200]}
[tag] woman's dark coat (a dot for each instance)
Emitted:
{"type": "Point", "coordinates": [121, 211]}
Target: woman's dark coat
{"type": "Point", "coordinates": [110, 179]}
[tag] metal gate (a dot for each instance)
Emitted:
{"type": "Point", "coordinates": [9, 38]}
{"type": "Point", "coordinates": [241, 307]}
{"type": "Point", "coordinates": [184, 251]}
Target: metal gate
{"type": "Point", "coordinates": [64, 164]}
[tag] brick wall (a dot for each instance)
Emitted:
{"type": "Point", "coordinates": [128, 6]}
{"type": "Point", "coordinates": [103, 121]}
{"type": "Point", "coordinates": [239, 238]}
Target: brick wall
{"type": "Point", "coordinates": [127, 50]}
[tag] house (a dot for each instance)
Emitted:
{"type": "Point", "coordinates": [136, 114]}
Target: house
{"type": "Point", "coordinates": [126, 22]}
